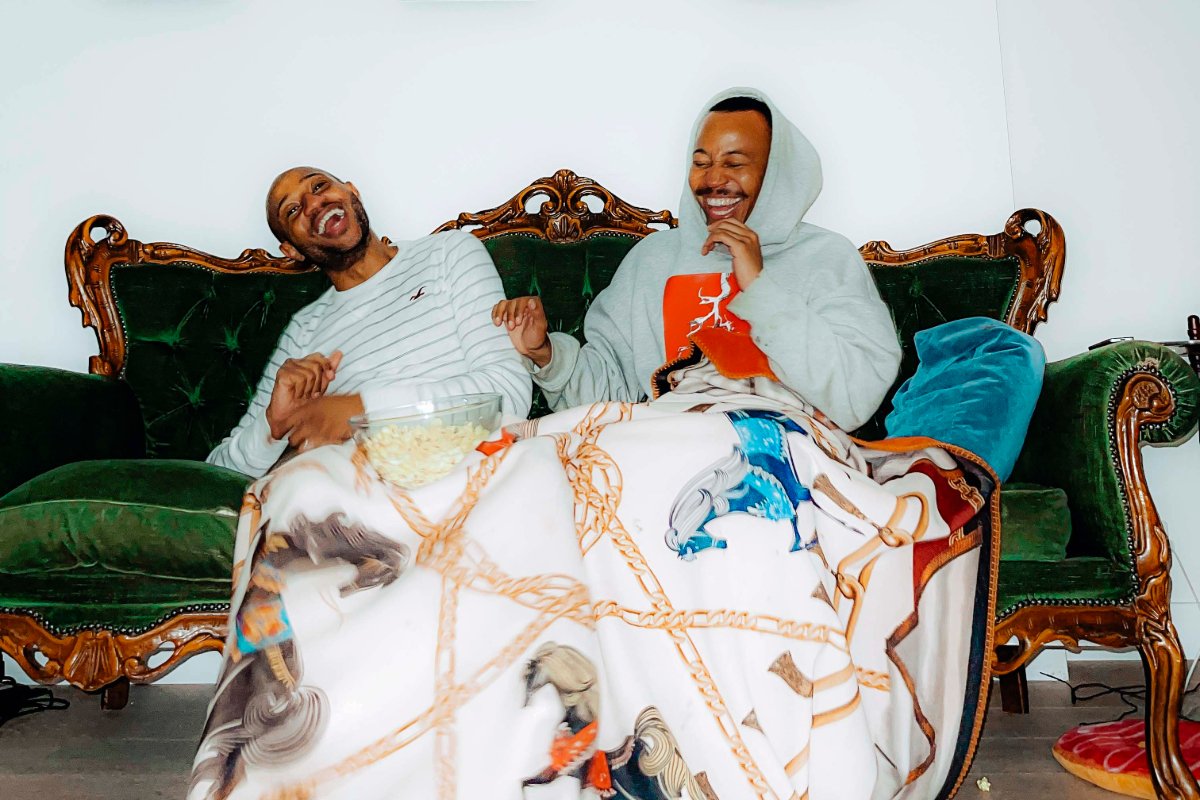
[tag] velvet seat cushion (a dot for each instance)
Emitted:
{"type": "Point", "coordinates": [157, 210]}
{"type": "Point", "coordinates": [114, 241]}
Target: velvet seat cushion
{"type": "Point", "coordinates": [1090, 579]}
{"type": "Point", "coordinates": [1035, 523]}
{"type": "Point", "coordinates": [119, 543]}
{"type": "Point", "coordinates": [976, 387]}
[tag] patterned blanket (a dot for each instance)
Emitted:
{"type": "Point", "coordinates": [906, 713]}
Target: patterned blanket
{"type": "Point", "coordinates": [714, 595]}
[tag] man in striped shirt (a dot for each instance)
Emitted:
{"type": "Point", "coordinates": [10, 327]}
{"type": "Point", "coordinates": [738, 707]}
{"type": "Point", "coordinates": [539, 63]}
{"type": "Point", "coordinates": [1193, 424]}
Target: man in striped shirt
{"type": "Point", "coordinates": [401, 323]}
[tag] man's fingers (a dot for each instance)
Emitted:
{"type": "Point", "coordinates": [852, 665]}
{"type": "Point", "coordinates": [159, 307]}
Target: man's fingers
{"type": "Point", "coordinates": [326, 374]}
{"type": "Point", "coordinates": [311, 378]}
{"type": "Point", "coordinates": [323, 368]}
{"type": "Point", "coordinates": [735, 230]}
{"type": "Point", "coordinates": [294, 378]}
{"type": "Point", "coordinates": [502, 313]}
{"type": "Point", "coordinates": [301, 370]}
{"type": "Point", "coordinates": [506, 310]}
{"type": "Point", "coordinates": [314, 358]}
{"type": "Point", "coordinates": [725, 236]}
{"type": "Point", "coordinates": [504, 307]}
{"type": "Point", "coordinates": [314, 380]}
{"type": "Point", "coordinates": [731, 231]}
{"type": "Point", "coordinates": [730, 224]}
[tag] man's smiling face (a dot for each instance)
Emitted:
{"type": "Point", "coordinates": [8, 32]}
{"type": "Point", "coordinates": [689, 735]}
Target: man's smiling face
{"type": "Point", "coordinates": [318, 218]}
{"type": "Point", "coordinates": [729, 163]}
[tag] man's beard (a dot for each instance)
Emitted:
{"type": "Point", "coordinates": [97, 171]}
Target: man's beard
{"type": "Point", "coordinates": [331, 259]}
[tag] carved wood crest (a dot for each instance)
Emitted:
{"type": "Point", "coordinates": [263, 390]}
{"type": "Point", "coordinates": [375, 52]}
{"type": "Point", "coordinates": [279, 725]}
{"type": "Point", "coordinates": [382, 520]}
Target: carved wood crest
{"type": "Point", "coordinates": [1041, 254]}
{"type": "Point", "coordinates": [563, 213]}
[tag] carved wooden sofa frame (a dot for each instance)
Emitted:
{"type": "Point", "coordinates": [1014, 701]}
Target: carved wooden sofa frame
{"type": "Point", "coordinates": [108, 660]}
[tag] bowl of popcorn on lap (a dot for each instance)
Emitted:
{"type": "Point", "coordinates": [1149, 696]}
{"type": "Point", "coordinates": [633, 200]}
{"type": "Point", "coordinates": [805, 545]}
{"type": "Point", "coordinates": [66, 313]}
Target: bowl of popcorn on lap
{"type": "Point", "coordinates": [415, 444]}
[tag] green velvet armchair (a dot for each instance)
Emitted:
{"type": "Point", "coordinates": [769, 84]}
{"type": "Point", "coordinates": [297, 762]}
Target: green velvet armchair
{"type": "Point", "coordinates": [116, 539]}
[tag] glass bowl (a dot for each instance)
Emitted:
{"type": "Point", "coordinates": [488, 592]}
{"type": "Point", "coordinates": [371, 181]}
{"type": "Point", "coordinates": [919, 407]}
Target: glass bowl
{"type": "Point", "coordinates": [415, 444]}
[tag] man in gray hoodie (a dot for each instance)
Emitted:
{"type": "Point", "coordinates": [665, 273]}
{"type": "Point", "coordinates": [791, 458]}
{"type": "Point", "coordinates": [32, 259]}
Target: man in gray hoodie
{"type": "Point", "coordinates": [804, 293]}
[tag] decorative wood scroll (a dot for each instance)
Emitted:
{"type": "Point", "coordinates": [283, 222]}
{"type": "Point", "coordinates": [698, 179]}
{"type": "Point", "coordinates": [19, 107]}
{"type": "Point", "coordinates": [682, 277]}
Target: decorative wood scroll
{"type": "Point", "coordinates": [89, 262]}
{"type": "Point", "coordinates": [564, 215]}
{"type": "Point", "coordinates": [93, 659]}
{"type": "Point", "coordinates": [1041, 256]}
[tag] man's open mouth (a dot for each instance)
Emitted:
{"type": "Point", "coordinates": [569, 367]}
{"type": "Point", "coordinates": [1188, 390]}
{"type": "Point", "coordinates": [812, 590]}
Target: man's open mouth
{"type": "Point", "coordinates": [720, 206]}
{"type": "Point", "coordinates": [332, 222]}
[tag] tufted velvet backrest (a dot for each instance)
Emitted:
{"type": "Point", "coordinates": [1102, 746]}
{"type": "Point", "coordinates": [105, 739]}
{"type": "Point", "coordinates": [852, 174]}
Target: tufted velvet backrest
{"type": "Point", "coordinates": [196, 343]}
{"type": "Point", "coordinates": [191, 333]}
{"type": "Point", "coordinates": [920, 295]}
{"type": "Point", "coordinates": [197, 340]}
{"type": "Point", "coordinates": [565, 275]}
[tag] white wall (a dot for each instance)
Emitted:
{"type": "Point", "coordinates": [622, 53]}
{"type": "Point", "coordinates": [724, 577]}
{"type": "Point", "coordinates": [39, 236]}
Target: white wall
{"type": "Point", "coordinates": [175, 116]}
{"type": "Point", "coordinates": [1103, 115]}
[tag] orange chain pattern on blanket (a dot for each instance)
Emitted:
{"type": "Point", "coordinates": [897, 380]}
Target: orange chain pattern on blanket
{"type": "Point", "coordinates": [444, 744]}
{"type": "Point", "coordinates": [672, 619]}
{"type": "Point", "coordinates": [435, 714]}
{"type": "Point", "coordinates": [601, 507]}
{"type": "Point", "coordinates": [461, 563]}
{"type": "Point", "coordinates": [597, 487]}
{"type": "Point", "coordinates": [596, 481]}
{"type": "Point", "coordinates": [870, 679]}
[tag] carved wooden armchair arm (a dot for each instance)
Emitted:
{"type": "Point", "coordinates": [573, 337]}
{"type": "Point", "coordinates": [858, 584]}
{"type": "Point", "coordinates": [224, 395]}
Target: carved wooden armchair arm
{"type": "Point", "coordinates": [1095, 412]}
{"type": "Point", "coordinates": [53, 417]}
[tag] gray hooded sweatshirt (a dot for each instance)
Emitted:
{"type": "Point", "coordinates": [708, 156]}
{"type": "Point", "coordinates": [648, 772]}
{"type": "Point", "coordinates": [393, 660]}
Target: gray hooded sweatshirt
{"type": "Point", "coordinates": [814, 309]}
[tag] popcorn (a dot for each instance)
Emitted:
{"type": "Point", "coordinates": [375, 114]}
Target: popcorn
{"type": "Point", "coordinates": [413, 455]}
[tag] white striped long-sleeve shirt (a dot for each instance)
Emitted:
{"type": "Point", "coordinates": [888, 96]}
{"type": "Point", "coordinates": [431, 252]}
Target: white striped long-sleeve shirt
{"type": "Point", "coordinates": [420, 328]}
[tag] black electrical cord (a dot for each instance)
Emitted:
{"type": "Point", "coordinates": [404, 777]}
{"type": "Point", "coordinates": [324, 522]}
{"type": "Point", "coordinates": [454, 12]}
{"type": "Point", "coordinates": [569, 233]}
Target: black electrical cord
{"type": "Point", "coordinates": [1127, 694]}
{"type": "Point", "coordinates": [17, 700]}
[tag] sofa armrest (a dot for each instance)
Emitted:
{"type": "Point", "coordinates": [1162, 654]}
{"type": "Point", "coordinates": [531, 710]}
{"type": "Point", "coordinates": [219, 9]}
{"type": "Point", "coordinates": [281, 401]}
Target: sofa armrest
{"type": "Point", "coordinates": [50, 417]}
{"type": "Point", "coordinates": [1095, 411]}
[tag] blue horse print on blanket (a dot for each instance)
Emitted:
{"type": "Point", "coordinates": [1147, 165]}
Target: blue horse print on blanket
{"type": "Point", "coordinates": [756, 478]}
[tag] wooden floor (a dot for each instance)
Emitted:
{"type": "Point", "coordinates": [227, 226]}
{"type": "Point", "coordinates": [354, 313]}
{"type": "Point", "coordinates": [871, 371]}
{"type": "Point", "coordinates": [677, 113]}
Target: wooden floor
{"type": "Point", "coordinates": [145, 750]}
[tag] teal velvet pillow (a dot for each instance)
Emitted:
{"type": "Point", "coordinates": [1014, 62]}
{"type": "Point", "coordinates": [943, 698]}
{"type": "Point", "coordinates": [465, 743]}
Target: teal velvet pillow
{"type": "Point", "coordinates": [976, 385]}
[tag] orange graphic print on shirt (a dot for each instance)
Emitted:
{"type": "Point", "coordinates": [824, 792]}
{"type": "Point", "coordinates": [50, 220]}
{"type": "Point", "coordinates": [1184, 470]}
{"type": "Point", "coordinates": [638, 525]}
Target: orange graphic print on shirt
{"type": "Point", "coordinates": [692, 303]}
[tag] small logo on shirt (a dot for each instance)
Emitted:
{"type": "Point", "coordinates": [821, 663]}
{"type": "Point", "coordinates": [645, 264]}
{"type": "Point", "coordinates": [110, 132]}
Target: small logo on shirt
{"type": "Point", "coordinates": [420, 293]}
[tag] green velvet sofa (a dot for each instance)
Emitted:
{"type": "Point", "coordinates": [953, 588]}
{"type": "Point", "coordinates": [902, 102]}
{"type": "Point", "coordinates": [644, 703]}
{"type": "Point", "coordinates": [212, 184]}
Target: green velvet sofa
{"type": "Point", "coordinates": [116, 539]}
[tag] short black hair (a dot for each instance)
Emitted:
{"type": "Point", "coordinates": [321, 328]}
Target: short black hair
{"type": "Point", "coordinates": [730, 104]}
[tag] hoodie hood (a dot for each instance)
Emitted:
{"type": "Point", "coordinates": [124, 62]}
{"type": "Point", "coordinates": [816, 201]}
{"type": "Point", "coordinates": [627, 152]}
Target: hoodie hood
{"type": "Point", "coordinates": [789, 188]}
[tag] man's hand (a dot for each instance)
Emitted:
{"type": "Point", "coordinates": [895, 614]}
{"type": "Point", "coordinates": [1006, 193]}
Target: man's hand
{"type": "Point", "coordinates": [298, 381]}
{"type": "Point", "coordinates": [526, 322]}
{"type": "Point", "coordinates": [743, 246]}
{"type": "Point", "coordinates": [324, 420]}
